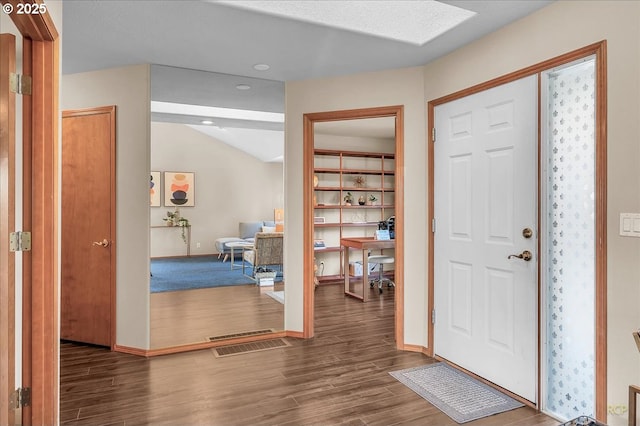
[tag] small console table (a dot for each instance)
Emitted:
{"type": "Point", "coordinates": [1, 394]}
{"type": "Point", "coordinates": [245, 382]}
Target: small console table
{"type": "Point", "coordinates": [187, 234]}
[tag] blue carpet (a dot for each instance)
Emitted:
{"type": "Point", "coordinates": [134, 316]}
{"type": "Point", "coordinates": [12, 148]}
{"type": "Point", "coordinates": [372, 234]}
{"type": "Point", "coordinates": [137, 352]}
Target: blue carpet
{"type": "Point", "coordinates": [185, 273]}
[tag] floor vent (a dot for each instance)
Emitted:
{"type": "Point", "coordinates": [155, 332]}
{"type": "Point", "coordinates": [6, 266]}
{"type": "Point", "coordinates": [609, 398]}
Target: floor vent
{"type": "Point", "coordinates": [243, 334]}
{"type": "Point", "coordinates": [244, 348]}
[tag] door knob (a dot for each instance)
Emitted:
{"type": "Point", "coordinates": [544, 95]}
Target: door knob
{"type": "Point", "coordinates": [103, 243]}
{"type": "Point", "coordinates": [525, 255]}
{"type": "Point", "coordinates": [527, 233]}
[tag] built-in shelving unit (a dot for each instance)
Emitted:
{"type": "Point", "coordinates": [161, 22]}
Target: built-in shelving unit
{"type": "Point", "coordinates": [337, 173]}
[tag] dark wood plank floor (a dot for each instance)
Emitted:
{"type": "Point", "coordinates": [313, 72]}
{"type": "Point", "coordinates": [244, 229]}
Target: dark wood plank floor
{"type": "Point", "coordinates": [339, 377]}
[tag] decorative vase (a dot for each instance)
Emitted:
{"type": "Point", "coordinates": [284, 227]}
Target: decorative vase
{"type": "Point", "coordinates": [361, 200]}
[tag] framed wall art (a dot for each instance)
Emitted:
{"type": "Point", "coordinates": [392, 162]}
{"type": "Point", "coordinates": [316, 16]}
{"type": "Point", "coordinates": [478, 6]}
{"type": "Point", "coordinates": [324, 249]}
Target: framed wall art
{"type": "Point", "coordinates": [155, 189]}
{"type": "Point", "coordinates": [179, 189]}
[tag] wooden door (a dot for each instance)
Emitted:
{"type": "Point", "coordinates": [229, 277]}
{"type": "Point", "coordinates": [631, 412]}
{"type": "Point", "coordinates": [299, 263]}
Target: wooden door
{"type": "Point", "coordinates": [485, 198]}
{"type": "Point", "coordinates": [87, 304]}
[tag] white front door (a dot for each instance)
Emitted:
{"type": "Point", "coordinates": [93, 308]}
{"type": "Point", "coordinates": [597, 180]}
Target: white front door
{"type": "Point", "coordinates": [486, 199]}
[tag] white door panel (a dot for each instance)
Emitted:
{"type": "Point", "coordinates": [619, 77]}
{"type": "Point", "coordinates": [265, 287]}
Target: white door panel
{"type": "Point", "coordinates": [485, 195]}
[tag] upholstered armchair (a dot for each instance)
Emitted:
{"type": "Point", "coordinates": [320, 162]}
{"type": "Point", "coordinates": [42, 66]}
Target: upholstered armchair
{"type": "Point", "coordinates": [267, 251]}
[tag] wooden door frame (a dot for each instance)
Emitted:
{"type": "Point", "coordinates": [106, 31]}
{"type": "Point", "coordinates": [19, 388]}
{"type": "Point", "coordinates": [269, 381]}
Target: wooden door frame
{"type": "Point", "coordinates": [7, 225]}
{"type": "Point", "coordinates": [40, 121]}
{"type": "Point", "coordinates": [599, 50]}
{"type": "Point", "coordinates": [397, 112]}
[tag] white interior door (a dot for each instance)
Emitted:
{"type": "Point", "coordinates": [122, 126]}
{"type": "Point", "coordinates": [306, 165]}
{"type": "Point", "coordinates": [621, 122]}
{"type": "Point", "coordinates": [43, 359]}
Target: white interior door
{"type": "Point", "coordinates": [485, 196]}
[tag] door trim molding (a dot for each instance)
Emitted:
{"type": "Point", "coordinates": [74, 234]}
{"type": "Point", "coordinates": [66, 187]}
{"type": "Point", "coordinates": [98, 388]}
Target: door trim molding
{"type": "Point", "coordinates": [599, 50]}
{"type": "Point", "coordinates": [40, 121]}
{"type": "Point", "coordinates": [7, 225]}
{"type": "Point", "coordinates": [309, 119]}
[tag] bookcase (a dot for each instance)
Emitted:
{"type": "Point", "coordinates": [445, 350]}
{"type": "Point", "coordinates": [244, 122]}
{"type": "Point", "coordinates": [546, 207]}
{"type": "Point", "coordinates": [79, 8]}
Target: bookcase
{"type": "Point", "coordinates": [338, 173]}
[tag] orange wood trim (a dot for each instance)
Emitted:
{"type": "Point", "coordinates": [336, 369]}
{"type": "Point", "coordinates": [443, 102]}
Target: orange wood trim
{"type": "Point", "coordinates": [7, 225]}
{"type": "Point", "coordinates": [417, 348]}
{"type": "Point", "coordinates": [399, 228]}
{"type": "Point", "coordinates": [601, 232]}
{"type": "Point", "coordinates": [45, 281]}
{"type": "Point", "coordinates": [294, 334]}
{"type": "Point", "coordinates": [36, 27]}
{"type": "Point", "coordinates": [112, 111]}
{"type": "Point", "coordinates": [307, 229]}
{"type": "Point", "coordinates": [309, 119]}
{"type": "Point", "coordinates": [40, 138]}
{"type": "Point", "coordinates": [599, 50]}
{"type": "Point", "coordinates": [539, 244]}
{"type": "Point", "coordinates": [27, 224]}
{"type": "Point", "coordinates": [196, 346]}
{"type": "Point", "coordinates": [525, 72]}
{"type": "Point", "coordinates": [430, 217]}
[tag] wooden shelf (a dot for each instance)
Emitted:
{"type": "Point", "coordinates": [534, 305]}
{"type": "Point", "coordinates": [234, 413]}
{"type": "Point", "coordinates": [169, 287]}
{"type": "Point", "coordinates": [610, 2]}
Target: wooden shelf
{"type": "Point", "coordinates": [352, 189]}
{"type": "Point", "coordinates": [335, 173]}
{"type": "Point", "coordinates": [366, 154]}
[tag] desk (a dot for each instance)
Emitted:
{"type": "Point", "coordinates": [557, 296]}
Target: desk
{"type": "Point", "coordinates": [365, 244]}
{"type": "Point", "coordinates": [187, 234]}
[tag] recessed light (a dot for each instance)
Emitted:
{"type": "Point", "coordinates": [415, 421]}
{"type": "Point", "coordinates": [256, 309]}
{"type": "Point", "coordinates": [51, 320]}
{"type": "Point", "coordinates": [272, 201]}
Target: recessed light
{"type": "Point", "coordinates": [207, 122]}
{"type": "Point", "coordinates": [261, 67]}
{"type": "Point", "coordinates": [243, 87]}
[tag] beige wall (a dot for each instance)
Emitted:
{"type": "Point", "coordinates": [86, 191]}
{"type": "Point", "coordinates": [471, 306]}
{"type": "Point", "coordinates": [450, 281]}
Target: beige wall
{"type": "Point", "coordinates": [231, 186]}
{"type": "Point", "coordinates": [128, 89]}
{"type": "Point", "coordinates": [398, 87]}
{"type": "Point", "coordinates": [559, 28]}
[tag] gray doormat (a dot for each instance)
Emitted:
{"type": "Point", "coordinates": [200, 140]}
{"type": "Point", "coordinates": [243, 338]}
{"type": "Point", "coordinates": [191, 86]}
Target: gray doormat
{"type": "Point", "coordinates": [458, 395]}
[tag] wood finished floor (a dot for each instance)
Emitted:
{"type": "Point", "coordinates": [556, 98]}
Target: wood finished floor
{"type": "Point", "coordinates": [192, 316]}
{"type": "Point", "coordinates": [339, 377]}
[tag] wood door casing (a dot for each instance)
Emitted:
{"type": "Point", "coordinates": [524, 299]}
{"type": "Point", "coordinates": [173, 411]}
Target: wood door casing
{"type": "Point", "coordinates": [88, 208]}
{"type": "Point", "coordinates": [7, 221]}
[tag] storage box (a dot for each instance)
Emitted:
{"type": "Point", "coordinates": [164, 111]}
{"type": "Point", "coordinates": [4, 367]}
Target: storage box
{"type": "Point", "coordinates": [265, 278]}
{"type": "Point", "coordinates": [265, 282]}
{"type": "Point", "coordinates": [355, 268]}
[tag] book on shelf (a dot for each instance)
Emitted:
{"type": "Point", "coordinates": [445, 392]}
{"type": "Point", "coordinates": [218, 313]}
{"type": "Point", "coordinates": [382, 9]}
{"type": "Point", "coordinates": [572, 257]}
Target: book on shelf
{"type": "Point", "coordinates": [319, 244]}
{"type": "Point", "coordinates": [382, 234]}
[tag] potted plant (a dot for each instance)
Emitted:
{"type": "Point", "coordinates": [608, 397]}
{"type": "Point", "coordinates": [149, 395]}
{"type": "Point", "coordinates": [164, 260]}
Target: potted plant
{"type": "Point", "coordinates": [372, 199]}
{"type": "Point", "coordinates": [172, 218]}
{"type": "Point", "coordinates": [348, 199]}
{"type": "Point", "coordinates": [183, 223]}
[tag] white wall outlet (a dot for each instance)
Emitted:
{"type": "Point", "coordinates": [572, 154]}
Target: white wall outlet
{"type": "Point", "coordinates": [197, 245]}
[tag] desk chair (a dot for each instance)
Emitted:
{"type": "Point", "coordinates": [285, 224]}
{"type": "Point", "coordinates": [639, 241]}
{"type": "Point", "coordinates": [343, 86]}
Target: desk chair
{"type": "Point", "coordinates": [381, 260]}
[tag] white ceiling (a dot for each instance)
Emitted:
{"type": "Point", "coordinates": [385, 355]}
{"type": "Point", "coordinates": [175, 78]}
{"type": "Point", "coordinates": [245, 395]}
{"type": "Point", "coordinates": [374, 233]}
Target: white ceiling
{"type": "Point", "coordinates": [204, 49]}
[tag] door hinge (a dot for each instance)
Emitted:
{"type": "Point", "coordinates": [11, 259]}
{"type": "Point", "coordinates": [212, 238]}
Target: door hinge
{"type": "Point", "coordinates": [19, 398]}
{"type": "Point", "coordinates": [433, 225]}
{"type": "Point", "coordinates": [433, 134]}
{"type": "Point", "coordinates": [433, 316]}
{"type": "Point", "coordinates": [20, 241]}
{"type": "Point", "coordinates": [20, 84]}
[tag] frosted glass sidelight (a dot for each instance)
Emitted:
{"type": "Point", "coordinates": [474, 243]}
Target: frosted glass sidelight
{"type": "Point", "coordinates": [569, 268]}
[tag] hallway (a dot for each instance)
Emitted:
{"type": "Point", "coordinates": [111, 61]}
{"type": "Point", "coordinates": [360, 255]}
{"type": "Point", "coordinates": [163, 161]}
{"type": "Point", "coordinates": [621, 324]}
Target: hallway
{"type": "Point", "coordinates": [339, 377]}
